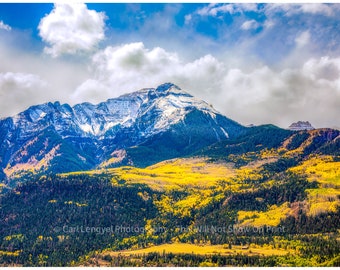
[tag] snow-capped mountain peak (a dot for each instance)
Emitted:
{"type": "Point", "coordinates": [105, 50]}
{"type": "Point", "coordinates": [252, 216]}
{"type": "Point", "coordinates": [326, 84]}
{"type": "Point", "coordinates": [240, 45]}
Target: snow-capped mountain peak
{"type": "Point", "coordinates": [165, 105]}
{"type": "Point", "coordinates": [165, 87]}
{"type": "Point", "coordinates": [88, 133]}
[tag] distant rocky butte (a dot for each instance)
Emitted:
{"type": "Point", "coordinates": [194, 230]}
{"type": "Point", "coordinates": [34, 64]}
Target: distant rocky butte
{"type": "Point", "coordinates": [301, 125]}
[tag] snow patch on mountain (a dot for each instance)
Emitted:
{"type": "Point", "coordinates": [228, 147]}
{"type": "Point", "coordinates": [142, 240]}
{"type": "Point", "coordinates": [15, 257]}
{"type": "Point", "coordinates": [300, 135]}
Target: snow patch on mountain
{"type": "Point", "coordinates": [225, 133]}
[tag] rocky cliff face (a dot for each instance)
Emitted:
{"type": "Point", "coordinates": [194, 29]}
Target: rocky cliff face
{"type": "Point", "coordinates": [301, 125]}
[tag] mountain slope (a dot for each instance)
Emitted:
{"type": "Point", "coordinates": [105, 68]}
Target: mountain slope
{"type": "Point", "coordinates": [165, 122]}
{"type": "Point", "coordinates": [296, 145]}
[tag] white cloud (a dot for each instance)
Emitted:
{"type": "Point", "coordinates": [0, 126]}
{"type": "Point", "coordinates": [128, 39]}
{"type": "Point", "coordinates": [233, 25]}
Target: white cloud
{"type": "Point", "coordinates": [294, 9]}
{"type": "Point", "coordinates": [207, 10]}
{"type": "Point", "coordinates": [126, 68]}
{"type": "Point", "coordinates": [288, 9]}
{"type": "Point", "coordinates": [258, 95]}
{"type": "Point", "coordinates": [91, 91]}
{"type": "Point", "coordinates": [19, 88]}
{"type": "Point", "coordinates": [11, 81]}
{"type": "Point", "coordinates": [311, 92]}
{"type": "Point", "coordinates": [28, 80]}
{"type": "Point", "coordinates": [303, 39]}
{"type": "Point", "coordinates": [317, 8]}
{"type": "Point", "coordinates": [5, 26]}
{"type": "Point", "coordinates": [268, 24]}
{"type": "Point", "coordinates": [324, 68]}
{"type": "Point", "coordinates": [251, 24]}
{"type": "Point", "coordinates": [215, 9]}
{"type": "Point", "coordinates": [131, 66]}
{"type": "Point", "coordinates": [71, 28]}
{"type": "Point", "coordinates": [187, 19]}
{"type": "Point", "coordinates": [243, 91]}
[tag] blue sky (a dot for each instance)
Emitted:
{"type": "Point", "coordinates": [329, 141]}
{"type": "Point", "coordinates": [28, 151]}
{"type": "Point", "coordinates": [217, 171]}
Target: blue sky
{"type": "Point", "coordinates": [256, 63]}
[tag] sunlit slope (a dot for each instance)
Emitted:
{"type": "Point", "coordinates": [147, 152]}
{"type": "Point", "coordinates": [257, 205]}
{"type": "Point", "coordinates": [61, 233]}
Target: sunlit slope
{"type": "Point", "coordinates": [206, 180]}
{"type": "Point", "coordinates": [326, 171]}
{"type": "Point", "coordinates": [323, 169]}
{"type": "Point", "coordinates": [172, 174]}
{"type": "Point", "coordinates": [271, 217]}
{"type": "Point", "coordinates": [179, 173]}
{"type": "Point", "coordinates": [259, 189]}
{"type": "Point", "coordinates": [183, 248]}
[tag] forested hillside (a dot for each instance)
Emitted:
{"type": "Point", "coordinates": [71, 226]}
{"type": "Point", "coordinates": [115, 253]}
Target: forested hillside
{"type": "Point", "coordinates": [275, 206]}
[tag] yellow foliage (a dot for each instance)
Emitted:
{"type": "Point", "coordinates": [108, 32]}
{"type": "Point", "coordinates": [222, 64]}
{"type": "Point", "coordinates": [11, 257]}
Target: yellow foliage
{"type": "Point", "coordinates": [81, 204]}
{"type": "Point", "coordinates": [321, 207]}
{"type": "Point", "coordinates": [164, 204]}
{"type": "Point", "coordinates": [76, 203]}
{"type": "Point", "coordinates": [188, 202]}
{"type": "Point", "coordinates": [10, 253]}
{"type": "Point", "coordinates": [52, 201]}
{"type": "Point", "coordinates": [184, 173]}
{"type": "Point", "coordinates": [325, 171]}
{"type": "Point", "coordinates": [246, 173]}
{"type": "Point", "coordinates": [177, 174]}
{"type": "Point", "coordinates": [184, 248]}
{"type": "Point", "coordinates": [322, 169]}
{"type": "Point", "coordinates": [14, 236]}
{"type": "Point", "coordinates": [322, 200]}
{"type": "Point", "coordinates": [269, 153]}
{"type": "Point", "coordinates": [207, 264]}
{"type": "Point", "coordinates": [272, 217]}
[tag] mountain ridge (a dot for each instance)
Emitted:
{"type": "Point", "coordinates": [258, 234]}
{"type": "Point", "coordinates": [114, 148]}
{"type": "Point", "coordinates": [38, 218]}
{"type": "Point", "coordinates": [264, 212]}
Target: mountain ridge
{"type": "Point", "coordinates": [139, 129]}
{"type": "Point", "coordinates": [166, 119]}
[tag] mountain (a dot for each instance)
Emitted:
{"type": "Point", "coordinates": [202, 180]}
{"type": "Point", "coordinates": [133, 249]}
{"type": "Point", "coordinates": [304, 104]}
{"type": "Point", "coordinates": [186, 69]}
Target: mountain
{"type": "Point", "coordinates": [301, 143]}
{"type": "Point", "coordinates": [159, 123]}
{"type": "Point", "coordinates": [202, 190]}
{"type": "Point", "coordinates": [301, 125]}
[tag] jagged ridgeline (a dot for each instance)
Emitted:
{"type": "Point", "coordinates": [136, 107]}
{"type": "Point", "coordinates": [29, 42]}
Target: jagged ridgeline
{"type": "Point", "coordinates": [159, 178]}
{"type": "Point", "coordinates": [139, 129]}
